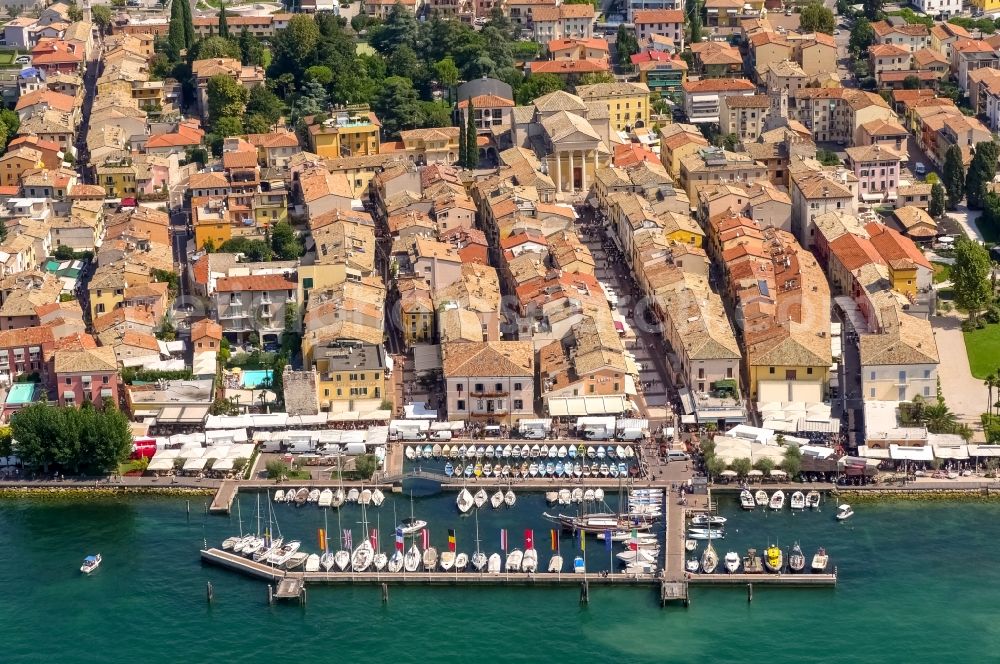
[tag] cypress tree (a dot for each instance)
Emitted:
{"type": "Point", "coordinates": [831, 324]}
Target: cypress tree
{"type": "Point", "coordinates": [982, 170]}
{"type": "Point", "coordinates": [471, 145]}
{"type": "Point", "coordinates": [223, 24]}
{"type": "Point", "coordinates": [463, 152]}
{"type": "Point", "coordinates": [189, 36]}
{"type": "Point", "coordinates": [936, 207]}
{"type": "Point", "coordinates": [953, 176]}
{"type": "Point", "coordinates": [175, 35]}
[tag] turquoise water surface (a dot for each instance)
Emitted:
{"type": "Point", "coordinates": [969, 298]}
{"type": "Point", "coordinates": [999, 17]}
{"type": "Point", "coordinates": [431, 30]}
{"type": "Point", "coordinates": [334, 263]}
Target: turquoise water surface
{"type": "Point", "coordinates": [918, 584]}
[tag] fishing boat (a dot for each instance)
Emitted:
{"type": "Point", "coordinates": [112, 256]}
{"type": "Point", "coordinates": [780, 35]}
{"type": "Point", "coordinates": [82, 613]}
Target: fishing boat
{"type": "Point", "coordinates": [579, 565]}
{"type": "Point", "coordinates": [312, 563]}
{"type": "Point", "coordinates": [529, 563]}
{"type": "Point", "coordinates": [555, 563]}
{"type": "Point", "coordinates": [690, 544]}
{"type": "Point", "coordinates": [777, 501]}
{"type": "Point", "coordinates": [411, 561]}
{"type": "Point", "coordinates": [820, 560]}
{"type": "Point", "coordinates": [326, 561]}
{"type": "Point", "coordinates": [496, 500]}
{"type": "Point", "coordinates": [692, 565]}
{"type": "Point", "coordinates": [509, 498]}
{"type": "Point", "coordinates": [279, 496]}
{"type": "Point", "coordinates": [514, 559]}
{"type": "Point", "coordinates": [760, 498]}
{"type": "Point", "coordinates": [796, 560]}
{"type": "Point", "coordinates": [353, 495]}
{"type": "Point", "coordinates": [812, 499]}
{"type": "Point", "coordinates": [844, 512]}
{"type": "Point", "coordinates": [449, 469]}
{"type": "Point", "coordinates": [746, 500]}
{"type": "Point", "coordinates": [709, 559]}
{"type": "Point", "coordinates": [90, 563]}
{"type": "Point", "coordinates": [798, 501]}
{"type": "Point", "coordinates": [773, 558]}
{"type": "Point", "coordinates": [732, 562]}
{"type": "Point", "coordinates": [708, 520]}
{"type": "Point", "coordinates": [430, 558]}
{"type": "Point", "coordinates": [325, 500]}
{"type": "Point", "coordinates": [461, 562]}
{"type": "Point", "coordinates": [395, 563]}
{"type": "Point", "coordinates": [481, 498]}
{"type": "Point", "coordinates": [464, 501]}
{"type": "Point", "coordinates": [494, 564]}
{"type": "Point", "coordinates": [751, 562]}
{"type": "Point", "coordinates": [313, 496]}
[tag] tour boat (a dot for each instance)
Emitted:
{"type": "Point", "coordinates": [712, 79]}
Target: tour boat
{"type": "Point", "coordinates": [464, 501]}
{"type": "Point", "coordinates": [746, 500]}
{"type": "Point", "coordinates": [312, 563]}
{"type": "Point", "coordinates": [493, 564]}
{"type": "Point", "coordinates": [796, 561]}
{"type": "Point", "coordinates": [773, 558]}
{"type": "Point", "coordinates": [481, 498]}
{"type": "Point", "coordinates": [430, 558]}
{"type": "Point", "coordinates": [461, 562]}
{"type": "Point", "coordinates": [709, 559]}
{"type": "Point", "coordinates": [325, 499]}
{"type": "Point", "coordinates": [279, 496]}
{"type": "Point", "coordinates": [555, 563]}
{"type": "Point", "coordinates": [514, 559]}
{"type": "Point", "coordinates": [509, 498]}
{"type": "Point", "coordinates": [777, 501]}
{"type": "Point", "coordinates": [820, 560]}
{"type": "Point", "coordinates": [395, 563]}
{"type": "Point", "coordinates": [844, 512]}
{"type": "Point", "coordinates": [732, 561]}
{"type": "Point", "coordinates": [798, 501]}
{"type": "Point", "coordinates": [90, 563]}
{"type": "Point", "coordinates": [412, 559]}
{"type": "Point", "coordinates": [496, 500]}
{"type": "Point", "coordinates": [529, 563]}
{"type": "Point", "coordinates": [760, 497]}
{"type": "Point", "coordinates": [812, 499]}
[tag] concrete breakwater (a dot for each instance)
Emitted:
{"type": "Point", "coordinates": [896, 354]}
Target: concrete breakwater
{"type": "Point", "coordinates": [73, 492]}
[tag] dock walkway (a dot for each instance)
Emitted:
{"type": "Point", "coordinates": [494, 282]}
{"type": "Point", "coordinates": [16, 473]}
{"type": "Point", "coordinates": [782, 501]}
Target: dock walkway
{"type": "Point", "coordinates": [224, 497]}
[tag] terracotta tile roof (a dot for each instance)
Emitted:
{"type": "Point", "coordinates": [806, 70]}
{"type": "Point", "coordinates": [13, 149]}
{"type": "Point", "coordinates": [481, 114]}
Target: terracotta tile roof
{"type": "Point", "coordinates": [56, 100]}
{"type": "Point", "coordinates": [98, 360]}
{"type": "Point", "coordinates": [487, 101]}
{"type": "Point", "coordinates": [886, 51]}
{"type": "Point", "coordinates": [718, 85]}
{"type": "Point", "coordinates": [658, 16]}
{"type": "Point", "coordinates": [26, 336]}
{"type": "Point", "coordinates": [139, 340]}
{"type": "Point", "coordinates": [206, 327]}
{"type": "Point", "coordinates": [892, 245]}
{"type": "Point", "coordinates": [184, 136]}
{"type": "Point", "coordinates": [208, 181]}
{"type": "Point", "coordinates": [883, 28]}
{"type": "Point", "coordinates": [489, 358]}
{"type": "Point", "coordinates": [261, 282]}
{"type": "Point", "coordinates": [239, 159]}
{"type": "Point", "coordinates": [748, 101]}
{"type": "Point", "coordinates": [853, 251]}
{"type": "Point", "coordinates": [584, 66]}
{"type": "Point", "coordinates": [972, 46]}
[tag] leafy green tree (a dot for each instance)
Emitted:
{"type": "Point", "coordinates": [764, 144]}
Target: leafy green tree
{"type": "Point", "coordinates": [284, 242]}
{"type": "Point", "coordinates": [295, 47]}
{"type": "Point", "coordinates": [792, 461]}
{"type": "Point", "coordinates": [312, 100]}
{"type": "Point", "coordinates": [403, 62]}
{"type": "Point", "coordinates": [366, 465]}
{"type": "Point", "coordinates": [255, 251]}
{"type": "Point", "coordinates": [764, 465]}
{"type": "Point", "coordinates": [320, 73]}
{"type": "Point", "coordinates": [276, 470]}
{"type": "Point", "coordinates": [398, 106]}
{"type": "Point", "coordinates": [715, 466]}
{"type": "Point", "coordinates": [101, 14]}
{"type": "Point", "coordinates": [263, 103]}
{"type": "Point", "coordinates": [742, 466]}
{"type": "Point", "coordinates": [937, 204]}
{"type": "Point", "coordinates": [227, 126]}
{"type": "Point", "coordinates": [827, 157]}
{"type": "Point", "coordinates": [175, 31]}
{"type": "Point", "coordinates": [911, 82]}
{"type": "Point", "coordinates": [970, 276]}
{"type": "Point", "coordinates": [815, 17]}
{"type": "Point", "coordinates": [626, 45]}
{"type": "Point", "coordinates": [596, 77]}
{"type": "Point", "coordinates": [226, 98]}
{"type": "Point", "coordinates": [873, 9]}
{"type": "Point", "coordinates": [862, 37]}
{"type": "Point", "coordinates": [87, 439]}
{"type": "Point", "coordinates": [251, 50]}
{"type": "Point", "coordinates": [215, 47]}
{"type": "Point", "coordinates": [189, 35]}
{"type": "Point", "coordinates": [537, 85]}
{"type": "Point", "coordinates": [694, 23]}
{"type": "Point", "coordinates": [471, 138]}
{"type": "Point", "coordinates": [953, 176]}
{"type": "Point", "coordinates": [223, 22]}
{"type": "Point", "coordinates": [982, 170]}
{"type": "Point", "coordinates": [435, 114]}
{"type": "Point", "coordinates": [400, 28]}
{"type": "Point", "coordinates": [446, 71]}
{"type": "Point", "coordinates": [73, 12]}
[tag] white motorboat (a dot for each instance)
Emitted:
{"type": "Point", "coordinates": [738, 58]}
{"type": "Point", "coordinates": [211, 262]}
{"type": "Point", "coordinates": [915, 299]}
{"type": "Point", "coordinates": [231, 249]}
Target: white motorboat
{"type": "Point", "coordinates": [365, 497]}
{"type": "Point", "coordinates": [529, 563]}
{"type": "Point", "coordinates": [464, 501]}
{"type": "Point", "coordinates": [325, 500]}
{"type": "Point", "coordinates": [283, 554]}
{"type": "Point", "coordinates": [90, 563]}
{"type": "Point", "coordinates": [692, 565]}
{"type": "Point", "coordinates": [708, 520]}
{"type": "Point", "coordinates": [777, 501]}
{"type": "Point", "coordinates": [577, 495]}
{"type": "Point", "coordinates": [551, 496]}
{"type": "Point", "coordinates": [820, 560]}
{"type": "Point", "coordinates": [562, 452]}
{"type": "Point", "coordinates": [844, 512]}
{"type": "Point", "coordinates": [690, 544]}
{"type": "Point", "coordinates": [760, 497]}
{"type": "Point", "coordinates": [363, 556]}
{"type": "Point", "coordinates": [478, 561]}
{"type": "Point", "coordinates": [353, 495]}
{"type": "Point", "coordinates": [395, 563]}
{"type": "Point", "coordinates": [812, 499]}
{"type": "Point", "coordinates": [411, 561]}
{"type": "Point", "coordinates": [588, 495]}
{"type": "Point", "coordinates": [565, 496]}
{"type": "Point", "coordinates": [796, 559]}
{"type": "Point", "coordinates": [496, 500]}
{"type": "Point", "coordinates": [555, 563]}
{"type": "Point", "coordinates": [312, 563]}
{"type": "Point", "coordinates": [599, 494]}
{"type": "Point", "coordinates": [798, 501]}
{"type": "Point", "coordinates": [411, 452]}
{"type": "Point", "coordinates": [290, 495]}
{"type": "Point", "coordinates": [342, 559]}
{"type": "Point", "coordinates": [447, 560]}
{"type": "Point", "coordinates": [746, 500]}
{"type": "Point", "coordinates": [481, 498]}
{"type": "Point", "coordinates": [436, 450]}
{"type": "Point", "coordinates": [279, 496]}
{"type": "Point", "coordinates": [640, 555]}
{"type": "Point", "coordinates": [732, 561]}
{"type": "Point", "coordinates": [301, 497]}
{"type": "Point", "coordinates": [706, 534]}
{"type": "Point", "coordinates": [338, 497]}
{"type": "Point", "coordinates": [461, 562]}
{"type": "Point", "coordinates": [430, 558]}
{"type": "Point", "coordinates": [326, 561]}
{"type": "Point", "coordinates": [251, 547]}
{"type": "Point", "coordinates": [378, 498]}
{"type": "Point", "coordinates": [493, 564]}
{"type": "Point", "coordinates": [579, 565]}
{"type": "Point", "coordinates": [410, 526]}
{"type": "Point", "coordinates": [313, 496]}
{"type": "Point", "coordinates": [230, 542]}
{"type": "Point", "coordinates": [380, 561]}
{"type": "Point", "coordinates": [514, 559]}
{"type": "Point", "coordinates": [509, 498]}
{"type": "Point", "coordinates": [296, 559]}
{"type": "Point", "coordinates": [266, 550]}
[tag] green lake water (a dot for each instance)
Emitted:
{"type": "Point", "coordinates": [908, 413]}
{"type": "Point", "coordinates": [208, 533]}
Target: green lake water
{"type": "Point", "coordinates": [919, 583]}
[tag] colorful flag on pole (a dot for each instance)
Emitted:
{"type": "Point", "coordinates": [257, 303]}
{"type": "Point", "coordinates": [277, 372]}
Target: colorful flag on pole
{"type": "Point", "coordinates": [399, 539]}
{"type": "Point", "coordinates": [555, 540]}
{"type": "Point", "coordinates": [451, 539]}
{"type": "Point", "coordinates": [373, 538]}
{"type": "Point", "coordinates": [607, 540]}
{"type": "Point", "coordinates": [583, 541]}
{"type": "Point", "coordinates": [503, 539]}
{"type": "Point", "coordinates": [633, 542]}
{"type": "Point", "coordinates": [322, 539]}
{"type": "Point", "coordinates": [348, 540]}
{"type": "Point", "coordinates": [267, 538]}
{"type": "Point", "coordinates": [425, 540]}
{"type": "Point", "coordinates": [529, 538]}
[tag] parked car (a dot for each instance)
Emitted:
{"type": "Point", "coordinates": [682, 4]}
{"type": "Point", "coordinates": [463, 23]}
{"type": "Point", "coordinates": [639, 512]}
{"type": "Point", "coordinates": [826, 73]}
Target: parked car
{"type": "Point", "coordinates": [919, 168]}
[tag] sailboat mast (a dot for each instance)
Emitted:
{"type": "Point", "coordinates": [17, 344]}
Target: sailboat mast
{"type": "Point", "coordinates": [239, 516]}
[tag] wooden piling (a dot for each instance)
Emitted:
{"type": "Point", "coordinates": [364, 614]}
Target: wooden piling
{"type": "Point", "coordinates": [385, 593]}
{"type": "Point", "coordinates": [270, 594]}
{"type": "Point", "coordinates": [584, 592]}
{"type": "Point", "coordinates": [210, 591]}
{"type": "Point", "coordinates": [749, 593]}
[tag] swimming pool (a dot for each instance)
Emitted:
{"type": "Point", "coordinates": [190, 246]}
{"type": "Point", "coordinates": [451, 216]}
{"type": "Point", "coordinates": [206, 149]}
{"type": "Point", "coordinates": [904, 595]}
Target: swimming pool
{"type": "Point", "coordinates": [254, 377]}
{"type": "Point", "coordinates": [22, 393]}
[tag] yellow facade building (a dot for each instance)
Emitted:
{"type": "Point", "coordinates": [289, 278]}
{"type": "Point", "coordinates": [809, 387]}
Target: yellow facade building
{"type": "Point", "coordinates": [628, 103]}
{"type": "Point", "coordinates": [348, 371]}
{"type": "Point", "coordinates": [351, 132]}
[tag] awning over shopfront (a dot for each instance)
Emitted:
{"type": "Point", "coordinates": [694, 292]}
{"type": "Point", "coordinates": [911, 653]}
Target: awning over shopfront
{"type": "Point", "coordinates": [590, 405]}
{"type": "Point", "coordinates": [901, 453]}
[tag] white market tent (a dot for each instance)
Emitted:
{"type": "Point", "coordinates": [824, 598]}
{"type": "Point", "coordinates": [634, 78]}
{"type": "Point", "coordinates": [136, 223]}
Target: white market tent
{"type": "Point", "coordinates": [195, 464]}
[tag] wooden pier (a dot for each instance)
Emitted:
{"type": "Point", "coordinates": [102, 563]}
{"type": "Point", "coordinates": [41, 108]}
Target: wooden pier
{"type": "Point", "coordinates": [224, 497]}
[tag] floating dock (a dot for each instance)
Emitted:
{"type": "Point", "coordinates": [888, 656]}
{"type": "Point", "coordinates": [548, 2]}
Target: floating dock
{"type": "Point", "coordinates": [224, 497]}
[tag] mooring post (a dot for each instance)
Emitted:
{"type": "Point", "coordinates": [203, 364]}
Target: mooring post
{"type": "Point", "coordinates": [270, 594]}
{"type": "Point", "coordinates": [584, 592]}
{"type": "Point", "coordinates": [749, 592]}
{"type": "Point", "coordinates": [189, 509]}
{"type": "Point", "coordinates": [210, 591]}
{"type": "Point", "coordinates": [303, 596]}
{"type": "Point", "coordinates": [385, 593]}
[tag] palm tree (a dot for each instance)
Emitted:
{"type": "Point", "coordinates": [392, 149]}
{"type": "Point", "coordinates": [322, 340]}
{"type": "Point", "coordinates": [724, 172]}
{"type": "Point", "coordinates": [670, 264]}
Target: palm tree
{"type": "Point", "coordinates": [938, 418]}
{"type": "Point", "coordinates": [990, 383]}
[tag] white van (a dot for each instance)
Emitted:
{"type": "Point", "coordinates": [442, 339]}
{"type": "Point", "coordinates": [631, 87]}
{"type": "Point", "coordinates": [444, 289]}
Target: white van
{"type": "Point", "coordinates": [491, 431]}
{"type": "Point", "coordinates": [441, 435]}
{"type": "Point", "coordinates": [674, 455]}
{"type": "Point", "coordinates": [630, 434]}
{"type": "Point", "coordinates": [411, 434]}
{"type": "Point", "coordinates": [534, 433]}
{"type": "Point", "coordinates": [595, 433]}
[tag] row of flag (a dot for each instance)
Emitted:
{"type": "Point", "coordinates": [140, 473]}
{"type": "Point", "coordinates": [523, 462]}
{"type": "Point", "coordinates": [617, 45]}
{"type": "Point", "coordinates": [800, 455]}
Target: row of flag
{"type": "Point", "coordinates": [579, 541]}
